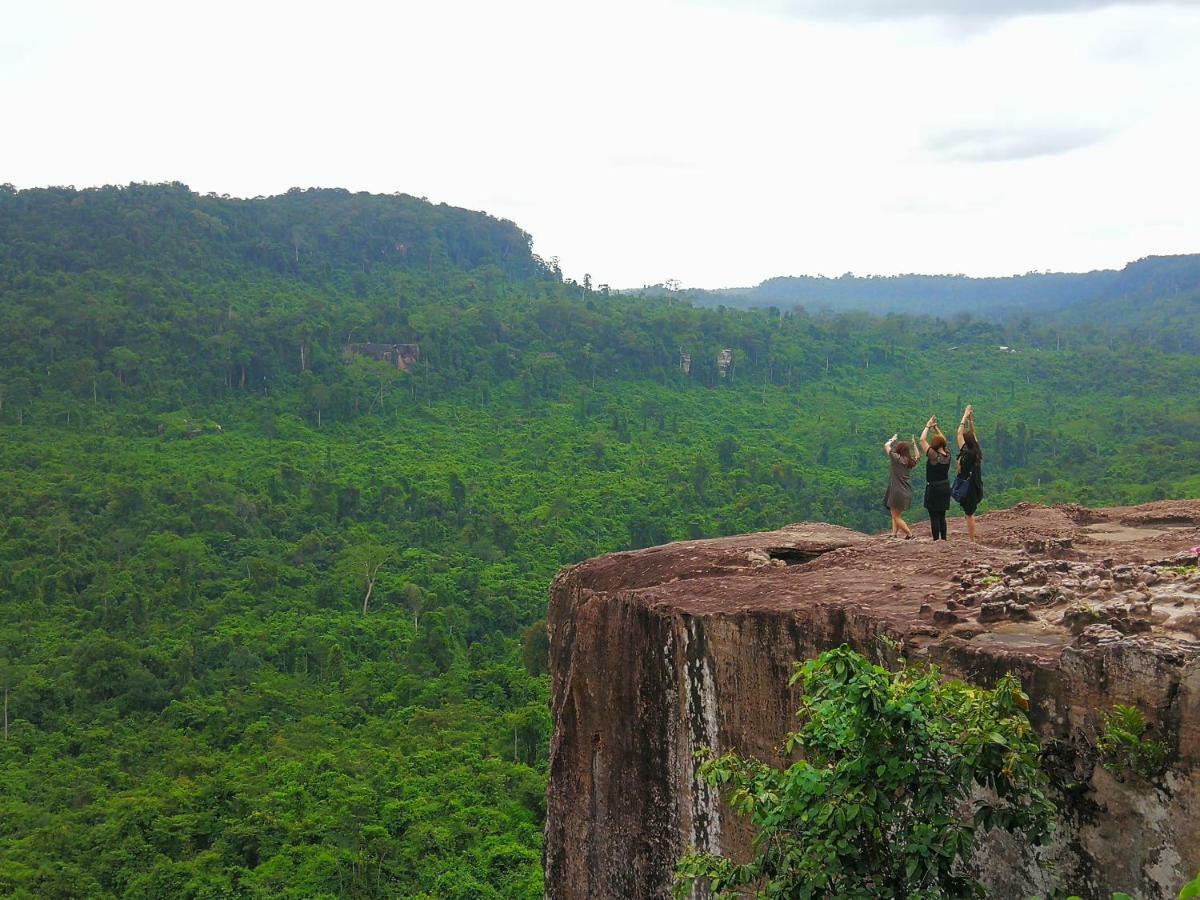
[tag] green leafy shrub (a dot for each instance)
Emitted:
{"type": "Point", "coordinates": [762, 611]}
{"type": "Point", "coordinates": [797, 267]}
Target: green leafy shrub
{"type": "Point", "coordinates": [886, 800]}
{"type": "Point", "coordinates": [1123, 743]}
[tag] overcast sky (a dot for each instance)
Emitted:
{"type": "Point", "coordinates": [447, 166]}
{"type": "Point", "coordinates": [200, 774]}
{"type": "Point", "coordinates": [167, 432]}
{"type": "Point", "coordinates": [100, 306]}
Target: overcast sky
{"type": "Point", "coordinates": [716, 142]}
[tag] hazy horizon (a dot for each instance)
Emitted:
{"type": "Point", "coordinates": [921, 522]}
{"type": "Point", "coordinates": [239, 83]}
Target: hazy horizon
{"type": "Point", "coordinates": [709, 287]}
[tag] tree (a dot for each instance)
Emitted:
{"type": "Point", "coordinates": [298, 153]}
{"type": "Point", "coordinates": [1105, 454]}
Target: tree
{"type": "Point", "coordinates": [269, 423]}
{"type": "Point", "coordinates": [900, 769]}
{"type": "Point", "coordinates": [700, 473]}
{"type": "Point", "coordinates": [316, 396]}
{"type": "Point", "coordinates": [16, 392]}
{"type": "Point", "coordinates": [9, 678]}
{"type": "Point", "coordinates": [362, 563]}
{"type": "Point", "coordinates": [727, 448]}
{"type": "Point", "coordinates": [535, 648]}
{"type": "Point", "coordinates": [125, 361]}
{"type": "Point", "coordinates": [414, 599]}
{"type": "Point", "coordinates": [458, 493]}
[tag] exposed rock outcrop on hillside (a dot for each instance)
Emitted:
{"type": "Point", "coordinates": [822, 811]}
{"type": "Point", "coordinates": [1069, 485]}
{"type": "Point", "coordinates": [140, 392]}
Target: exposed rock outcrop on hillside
{"type": "Point", "coordinates": [657, 652]}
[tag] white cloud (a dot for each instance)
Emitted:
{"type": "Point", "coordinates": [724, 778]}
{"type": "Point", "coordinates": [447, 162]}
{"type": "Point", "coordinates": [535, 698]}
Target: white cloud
{"type": "Point", "coordinates": [996, 144]}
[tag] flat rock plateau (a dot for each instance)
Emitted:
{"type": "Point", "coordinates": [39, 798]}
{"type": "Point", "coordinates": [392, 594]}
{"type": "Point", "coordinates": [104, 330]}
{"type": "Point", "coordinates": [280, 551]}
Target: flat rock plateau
{"type": "Point", "coordinates": [657, 652]}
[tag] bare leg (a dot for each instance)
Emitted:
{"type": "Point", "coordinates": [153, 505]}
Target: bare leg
{"type": "Point", "coordinates": [971, 529]}
{"type": "Point", "coordinates": [898, 524]}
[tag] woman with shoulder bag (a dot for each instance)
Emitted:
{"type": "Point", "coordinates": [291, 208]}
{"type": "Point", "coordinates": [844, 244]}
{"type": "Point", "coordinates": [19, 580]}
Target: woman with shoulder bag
{"type": "Point", "coordinates": [968, 484]}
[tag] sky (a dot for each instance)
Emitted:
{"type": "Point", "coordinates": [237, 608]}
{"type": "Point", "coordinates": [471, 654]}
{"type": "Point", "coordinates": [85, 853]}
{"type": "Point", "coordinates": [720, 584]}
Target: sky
{"type": "Point", "coordinates": [714, 142]}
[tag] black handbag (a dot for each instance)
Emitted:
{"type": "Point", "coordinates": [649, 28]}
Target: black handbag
{"type": "Point", "coordinates": [961, 488]}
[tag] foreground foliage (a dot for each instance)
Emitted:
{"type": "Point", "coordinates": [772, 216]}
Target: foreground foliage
{"type": "Point", "coordinates": [1124, 743]}
{"type": "Point", "coordinates": [877, 806]}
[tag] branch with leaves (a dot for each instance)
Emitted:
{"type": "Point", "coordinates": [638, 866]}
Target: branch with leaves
{"type": "Point", "coordinates": [900, 772]}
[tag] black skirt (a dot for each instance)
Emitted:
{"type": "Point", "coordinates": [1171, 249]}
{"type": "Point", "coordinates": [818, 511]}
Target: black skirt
{"type": "Point", "coordinates": [969, 468]}
{"type": "Point", "coordinates": [971, 502]}
{"type": "Point", "coordinates": [937, 495]}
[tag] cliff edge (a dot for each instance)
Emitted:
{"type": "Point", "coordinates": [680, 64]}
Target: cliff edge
{"type": "Point", "coordinates": [657, 652]}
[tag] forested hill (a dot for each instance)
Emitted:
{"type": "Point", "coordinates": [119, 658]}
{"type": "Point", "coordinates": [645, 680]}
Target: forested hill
{"type": "Point", "coordinates": [1155, 299]}
{"type": "Point", "coordinates": [317, 235]}
{"type": "Point", "coordinates": [271, 607]}
{"type": "Point", "coordinates": [127, 288]}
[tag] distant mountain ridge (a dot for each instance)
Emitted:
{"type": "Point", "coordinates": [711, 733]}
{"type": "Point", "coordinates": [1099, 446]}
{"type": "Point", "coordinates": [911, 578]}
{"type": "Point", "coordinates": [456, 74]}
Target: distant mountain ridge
{"type": "Point", "coordinates": [1158, 295]}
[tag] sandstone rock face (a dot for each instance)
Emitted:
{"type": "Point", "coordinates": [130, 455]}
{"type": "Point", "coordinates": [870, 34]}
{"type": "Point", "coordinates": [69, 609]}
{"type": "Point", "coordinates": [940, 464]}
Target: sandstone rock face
{"type": "Point", "coordinates": [658, 652]}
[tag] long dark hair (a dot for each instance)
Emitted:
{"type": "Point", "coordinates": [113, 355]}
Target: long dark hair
{"type": "Point", "coordinates": [902, 449]}
{"type": "Point", "coordinates": [971, 448]}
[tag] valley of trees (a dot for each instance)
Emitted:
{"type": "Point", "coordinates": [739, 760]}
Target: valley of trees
{"type": "Point", "coordinates": [271, 614]}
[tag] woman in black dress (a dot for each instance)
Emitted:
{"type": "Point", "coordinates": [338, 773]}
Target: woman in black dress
{"type": "Point", "coordinates": [937, 477]}
{"type": "Point", "coordinates": [970, 468]}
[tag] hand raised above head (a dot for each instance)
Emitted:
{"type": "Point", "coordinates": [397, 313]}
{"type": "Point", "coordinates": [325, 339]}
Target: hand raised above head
{"type": "Point", "coordinates": [932, 421]}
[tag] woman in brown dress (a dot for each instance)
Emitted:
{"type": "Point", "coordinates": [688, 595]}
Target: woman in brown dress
{"type": "Point", "coordinates": [898, 498]}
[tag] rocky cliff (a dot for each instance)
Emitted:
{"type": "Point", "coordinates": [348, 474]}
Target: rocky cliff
{"type": "Point", "coordinates": [657, 652]}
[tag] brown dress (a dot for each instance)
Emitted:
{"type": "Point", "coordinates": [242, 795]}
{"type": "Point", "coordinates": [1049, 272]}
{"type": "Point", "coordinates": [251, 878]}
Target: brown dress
{"type": "Point", "coordinates": [899, 489]}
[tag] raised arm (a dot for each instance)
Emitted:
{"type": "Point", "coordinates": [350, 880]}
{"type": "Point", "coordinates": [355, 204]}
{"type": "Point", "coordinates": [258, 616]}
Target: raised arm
{"type": "Point", "coordinates": [966, 425]}
{"type": "Point", "coordinates": [931, 424]}
{"type": "Point", "coordinates": [887, 446]}
{"type": "Point", "coordinates": [912, 448]}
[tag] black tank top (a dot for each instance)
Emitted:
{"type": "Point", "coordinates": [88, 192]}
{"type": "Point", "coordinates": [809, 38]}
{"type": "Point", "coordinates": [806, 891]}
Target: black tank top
{"type": "Point", "coordinates": [937, 471]}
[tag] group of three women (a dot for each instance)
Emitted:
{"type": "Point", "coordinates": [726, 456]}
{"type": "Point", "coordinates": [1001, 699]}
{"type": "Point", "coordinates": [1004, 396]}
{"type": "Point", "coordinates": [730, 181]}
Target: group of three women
{"type": "Point", "coordinates": [967, 487]}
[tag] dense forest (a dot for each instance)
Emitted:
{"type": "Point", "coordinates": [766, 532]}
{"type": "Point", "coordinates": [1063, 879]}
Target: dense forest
{"type": "Point", "coordinates": [1154, 301]}
{"type": "Point", "coordinates": [271, 607]}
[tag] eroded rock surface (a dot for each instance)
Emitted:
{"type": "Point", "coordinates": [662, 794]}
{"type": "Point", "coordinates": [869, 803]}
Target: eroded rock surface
{"type": "Point", "coordinates": [657, 652]}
